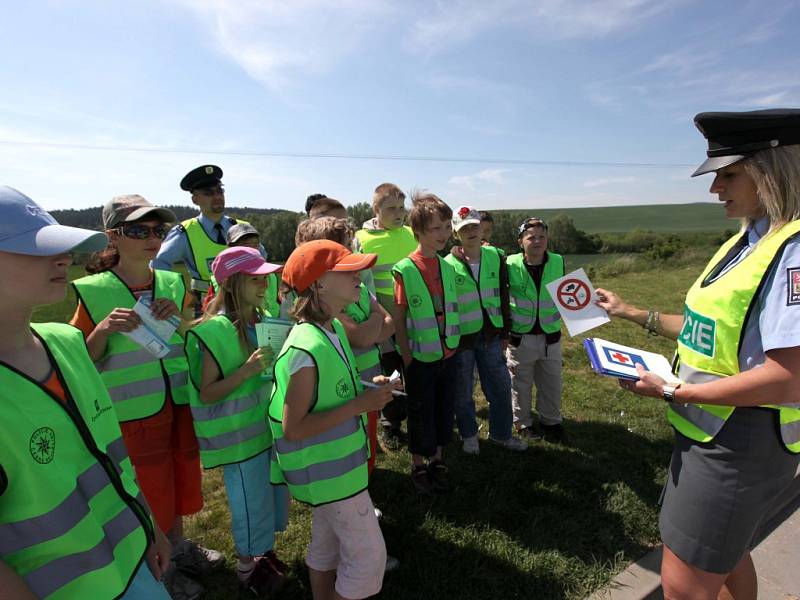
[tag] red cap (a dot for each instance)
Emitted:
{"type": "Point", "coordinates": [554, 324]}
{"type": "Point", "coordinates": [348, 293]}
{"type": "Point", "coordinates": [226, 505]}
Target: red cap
{"type": "Point", "coordinates": [312, 260]}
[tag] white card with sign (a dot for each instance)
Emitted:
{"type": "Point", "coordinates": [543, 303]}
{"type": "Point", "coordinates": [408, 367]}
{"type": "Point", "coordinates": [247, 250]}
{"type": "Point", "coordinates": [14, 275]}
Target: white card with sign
{"type": "Point", "coordinates": [575, 297]}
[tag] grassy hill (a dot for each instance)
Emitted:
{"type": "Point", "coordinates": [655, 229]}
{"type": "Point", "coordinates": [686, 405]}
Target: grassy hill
{"type": "Point", "coordinates": [675, 218]}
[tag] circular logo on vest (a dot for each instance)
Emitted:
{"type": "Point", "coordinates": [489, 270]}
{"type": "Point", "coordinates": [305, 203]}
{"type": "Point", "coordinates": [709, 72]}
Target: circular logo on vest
{"type": "Point", "coordinates": [415, 300]}
{"type": "Point", "coordinates": [43, 445]}
{"type": "Point", "coordinates": [459, 280]}
{"type": "Point", "coordinates": [342, 389]}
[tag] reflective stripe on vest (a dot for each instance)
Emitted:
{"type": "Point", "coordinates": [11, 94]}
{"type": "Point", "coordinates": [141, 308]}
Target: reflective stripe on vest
{"type": "Point", "coordinates": [204, 250]}
{"type": "Point", "coordinates": [526, 301]}
{"type": "Point", "coordinates": [476, 297]}
{"type": "Point", "coordinates": [133, 376]}
{"type": "Point", "coordinates": [391, 245]}
{"type": "Point", "coordinates": [235, 428]}
{"type": "Point", "coordinates": [366, 358]}
{"type": "Point", "coordinates": [331, 465]}
{"type": "Point", "coordinates": [715, 316]}
{"type": "Point", "coordinates": [425, 340]}
{"type": "Point", "coordinates": [86, 536]}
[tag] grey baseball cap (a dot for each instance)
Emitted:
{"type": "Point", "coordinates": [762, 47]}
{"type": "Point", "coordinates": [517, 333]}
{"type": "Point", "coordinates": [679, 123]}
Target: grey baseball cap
{"type": "Point", "coordinates": [132, 207]}
{"type": "Point", "coordinates": [26, 228]}
{"type": "Point", "coordinates": [238, 231]}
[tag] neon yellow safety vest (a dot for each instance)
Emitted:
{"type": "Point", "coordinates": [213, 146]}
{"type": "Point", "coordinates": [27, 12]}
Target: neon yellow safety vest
{"type": "Point", "coordinates": [73, 522]}
{"type": "Point", "coordinates": [233, 429]}
{"type": "Point", "coordinates": [331, 465]}
{"type": "Point", "coordinates": [714, 319]}
{"type": "Point", "coordinates": [204, 250]}
{"type": "Point", "coordinates": [526, 301]}
{"type": "Point", "coordinates": [391, 245]}
{"type": "Point", "coordinates": [137, 381]}
{"type": "Point", "coordinates": [368, 360]}
{"type": "Point", "coordinates": [474, 297]}
{"type": "Point", "coordinates": [271, 304]}
{"type": "Point", "coordinates": [426, 341]}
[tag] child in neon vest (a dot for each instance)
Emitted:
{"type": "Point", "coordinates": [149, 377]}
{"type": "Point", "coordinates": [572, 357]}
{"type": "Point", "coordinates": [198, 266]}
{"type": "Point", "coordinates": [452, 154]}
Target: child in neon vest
{"type": "Point", "coordinates": [67, 487]}
{"type": "Point", "coordinates": [229, 404]}
{"type": "Point", "coordinates": [427, 322]}
{"type": "Point", "coordinates": [316, 417]}
{"type": "Point", "coordinates": [482, 285]}
{"type": "Point", "coordinates": [156, 422]}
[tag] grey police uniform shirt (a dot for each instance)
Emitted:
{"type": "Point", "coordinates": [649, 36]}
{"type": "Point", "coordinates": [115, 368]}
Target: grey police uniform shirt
{"type": "Point", "coordinates": [175, 246]}
{"type": "Point", "coordinates": [778, 313]}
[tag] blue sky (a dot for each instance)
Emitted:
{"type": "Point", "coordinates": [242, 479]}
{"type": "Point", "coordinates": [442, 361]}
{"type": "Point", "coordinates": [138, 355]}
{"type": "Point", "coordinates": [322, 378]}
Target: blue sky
{"type": "Point", "coordinates": [238, 82]}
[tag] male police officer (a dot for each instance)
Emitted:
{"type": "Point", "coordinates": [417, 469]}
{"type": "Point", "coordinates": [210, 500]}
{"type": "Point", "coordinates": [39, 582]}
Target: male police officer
{"type": "Point", "coordinates": [197, 241]}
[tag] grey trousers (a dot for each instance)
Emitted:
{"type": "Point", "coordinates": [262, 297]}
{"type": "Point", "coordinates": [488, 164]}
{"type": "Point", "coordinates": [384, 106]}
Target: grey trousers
{"type": "Point", "coordinates": [533, 363]}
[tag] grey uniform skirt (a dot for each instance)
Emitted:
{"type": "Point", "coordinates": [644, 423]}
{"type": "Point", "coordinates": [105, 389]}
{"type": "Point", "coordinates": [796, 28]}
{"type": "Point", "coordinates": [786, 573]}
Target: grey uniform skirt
{"type": "Point", "coordinates": [718, 494]}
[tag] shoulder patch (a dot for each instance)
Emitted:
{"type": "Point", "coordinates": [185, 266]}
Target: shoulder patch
{"type": "Point", "coordinates": [792, 286]}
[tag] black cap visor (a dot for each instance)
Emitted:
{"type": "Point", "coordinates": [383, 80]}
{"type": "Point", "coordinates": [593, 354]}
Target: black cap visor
{"type": "Point", "coordinates": [717, 162]}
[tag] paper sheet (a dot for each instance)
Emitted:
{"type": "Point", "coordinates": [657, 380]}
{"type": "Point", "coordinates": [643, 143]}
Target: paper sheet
{"type": "Point", "coordinates": [153, 335]}
{"type": "Point", "coordinates": [272, 333]}
{"type": "Point", "coordinates": [575, 297]}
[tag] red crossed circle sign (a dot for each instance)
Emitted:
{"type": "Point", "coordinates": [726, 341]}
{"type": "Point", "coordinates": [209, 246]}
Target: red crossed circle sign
{"type": "Point", "coordinates": [573, 294]}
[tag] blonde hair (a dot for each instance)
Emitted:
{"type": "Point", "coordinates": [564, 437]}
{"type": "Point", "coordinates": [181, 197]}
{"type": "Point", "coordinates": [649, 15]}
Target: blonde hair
{"type": "Point", "coordinates": [229, 301]}
{"type": "Point", "coordinates": [309, 306]}
{"type": "Point", "coordinates": [384, 192]}
{"type": "Point", "coordinates": [776, 174]}
{"type": "Point", "coordinates": [325, 228]}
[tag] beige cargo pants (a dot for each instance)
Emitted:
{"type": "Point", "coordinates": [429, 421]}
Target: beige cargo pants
{"type": "Point", "coordinates": [534, 363]}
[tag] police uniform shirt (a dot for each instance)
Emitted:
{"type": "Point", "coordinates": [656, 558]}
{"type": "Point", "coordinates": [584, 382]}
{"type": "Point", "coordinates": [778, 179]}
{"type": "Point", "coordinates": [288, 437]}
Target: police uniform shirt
{"type": "Point", "coordinates": [175, 246]}
{"type": "Point", "coordinates": [777, 306]}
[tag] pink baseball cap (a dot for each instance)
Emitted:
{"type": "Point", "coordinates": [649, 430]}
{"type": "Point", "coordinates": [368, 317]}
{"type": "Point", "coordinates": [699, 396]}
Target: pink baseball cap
{"type": "Point", "coordinates": [240, 259]}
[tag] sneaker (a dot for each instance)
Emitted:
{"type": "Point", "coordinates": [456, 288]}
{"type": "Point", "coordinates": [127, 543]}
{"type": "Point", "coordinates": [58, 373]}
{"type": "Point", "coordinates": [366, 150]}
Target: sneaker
{"type": "Point", "coordinates": [555, 433]}
{"type": "Point", "coordinates": [378, 513]}
{"type": "Point", "coordinates": [513, 443]}
{"type": "Point", "coordinates": [263, 582]}
{"type": "Point", "coordinates": [180, 586]}
{"type": "Point", "coordinates": [529, 433]}
{"type": "Point", "coordinates": [193, 559]}
{"type": "Point", "coordinates": [392, 564]}
{"type": "Point", "coordinates": [421, 479]}
{"type": "Point", "coordinates": [277, 564]}
{"type": "Point", "coordinates": [437, 471]}
{"type": "Point", "coordinates": [389, 439]}
{"type": "Point", "coordinates": [470, 445]}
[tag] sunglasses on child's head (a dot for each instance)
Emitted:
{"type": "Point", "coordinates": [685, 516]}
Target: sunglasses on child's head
{"type": "Point", "coordinates": [139, 231]}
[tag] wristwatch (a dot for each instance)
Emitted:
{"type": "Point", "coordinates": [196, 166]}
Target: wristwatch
{"type": "Point", "coordinates": [668, 392]}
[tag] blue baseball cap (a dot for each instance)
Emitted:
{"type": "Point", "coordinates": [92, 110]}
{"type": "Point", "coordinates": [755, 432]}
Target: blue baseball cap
{"type": "Point", "coordinates": [26, 228]}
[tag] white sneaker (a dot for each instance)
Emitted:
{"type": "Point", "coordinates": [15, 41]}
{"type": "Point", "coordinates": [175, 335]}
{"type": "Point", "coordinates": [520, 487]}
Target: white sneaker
{"type": "Point", "coordinates": [513, 443]}
{"type": "Point", "coordinates": [470, 445]}
{"type": "Point", "coordinates": [378, 513]}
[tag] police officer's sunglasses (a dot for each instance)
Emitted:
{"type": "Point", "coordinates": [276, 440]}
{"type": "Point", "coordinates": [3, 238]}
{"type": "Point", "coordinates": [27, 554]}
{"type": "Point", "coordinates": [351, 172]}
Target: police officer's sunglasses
{"type": "Point", "coordinates": [139, 231]}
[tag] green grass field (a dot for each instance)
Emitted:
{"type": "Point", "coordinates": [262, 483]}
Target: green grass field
{"type": "Point", "coordinates": [701, 216]}
{"type": "Point", "coordinates": [554, 522]}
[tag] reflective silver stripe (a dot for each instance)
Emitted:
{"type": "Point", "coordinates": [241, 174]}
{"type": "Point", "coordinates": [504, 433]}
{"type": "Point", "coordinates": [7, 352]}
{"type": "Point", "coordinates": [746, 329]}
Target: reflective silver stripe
{"type": "Point", "coordinates": [341, 431]}
{"type": "Point", "coordinates": [475, 315]}
{"type": "Point", "coordinates": [524, 303]}
{"type": "Point", "coordinates": [424, 347]}
{"type": "Point", "coordinates": [451, 330]}
{"type": "Point", "coordinates": [451, 306]}
{"type": "Point", "coordinates": [469, 297]}
{"type": "Point", "coordinates": [420, 324]}
{"type": "Point", "coordinates": [117, 450]}
{"type": "Point", "coordinates": [59, 572]}
{"type": "Point", "coordinates": [546, 305]}
{"type": "Point", "coordinates": [790, 432]}
{"type": "Point", "coordinates": [548, 319]}
{"type": "Point", "coordinates": [702, 419]}
{"type": "Point", "coordinates": [198, 285]}
{"type": "Point", "coordinates": [691, 375]}
{"type": "Point", "coordinates": [384, 283]}
{"type": "Point", "coordinates": [60, 519]}
{"type": "Point", "coordinates": [134, 389]}
{"type": "Point", "coordinates": [134, 358]}
{"type": "Point", "coordinates": [179, 379]}
{"type": "Point", "coordinates": [327, 470]}
{"type": "Point", "coordinates": [385, 268]}
{"type": "Point", "coordinates": [217, 410]}
{"type": "Point", "coordinates": [362, 351]}
{"type": "Point", "coordinates": [490, 293]}
{"type": "Point", "coordinates": [231, 438]}
{"type": "Point", "coordinates": [493, 311]}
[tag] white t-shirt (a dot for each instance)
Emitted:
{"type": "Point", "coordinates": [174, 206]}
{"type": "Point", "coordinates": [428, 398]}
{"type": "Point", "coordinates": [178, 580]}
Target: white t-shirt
{"type": "Point", "coordinates": [299, 359]}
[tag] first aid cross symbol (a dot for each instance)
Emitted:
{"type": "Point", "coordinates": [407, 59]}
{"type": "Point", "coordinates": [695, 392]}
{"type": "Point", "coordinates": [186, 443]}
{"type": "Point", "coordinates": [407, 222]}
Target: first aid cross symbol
{"type": "Point", "coordinates": [622, 358]}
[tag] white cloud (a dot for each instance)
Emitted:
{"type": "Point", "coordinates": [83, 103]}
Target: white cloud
{"type": "Point", "coordinates": [470, 182]}
{"type": "Point", "coordinates": [592, 183]}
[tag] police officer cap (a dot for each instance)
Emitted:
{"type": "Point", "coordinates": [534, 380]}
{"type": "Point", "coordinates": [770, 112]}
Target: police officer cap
{"type": "Point", "coordinates": [733, 136]}
{"type": "Point", "coordinates": [202, 177]}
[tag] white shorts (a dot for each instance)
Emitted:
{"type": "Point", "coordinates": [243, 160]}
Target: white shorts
{"type": "Point", "coordinates": [346, 537]}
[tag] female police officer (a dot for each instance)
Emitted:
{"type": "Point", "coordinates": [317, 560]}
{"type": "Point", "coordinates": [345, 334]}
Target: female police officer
{"type": "Point", "coordinates": [737, 412]}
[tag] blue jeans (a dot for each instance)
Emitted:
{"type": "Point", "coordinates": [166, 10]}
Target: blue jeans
{"type": "Point", "coordinates": [144, 587]}
{"type": "Point", "coordinates": [496, 384]}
